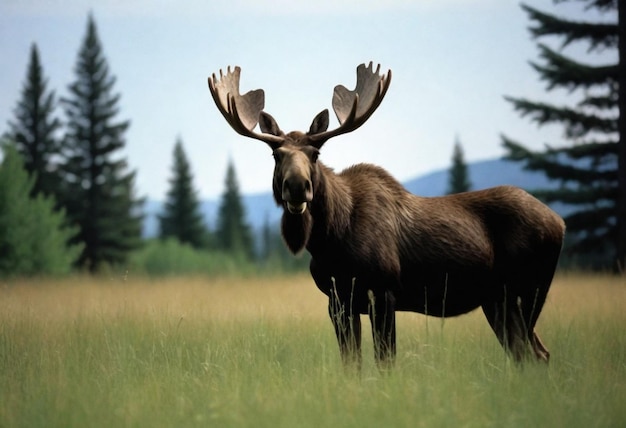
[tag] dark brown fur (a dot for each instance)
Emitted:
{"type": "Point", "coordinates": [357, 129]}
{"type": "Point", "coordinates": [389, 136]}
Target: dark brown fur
{"type": "Point", "coordinates": [376, 248]}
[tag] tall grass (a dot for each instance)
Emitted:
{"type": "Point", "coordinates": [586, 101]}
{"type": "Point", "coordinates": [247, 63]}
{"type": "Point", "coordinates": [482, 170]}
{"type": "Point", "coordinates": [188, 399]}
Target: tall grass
{"type": "Point", "coordinates": [245, 352]}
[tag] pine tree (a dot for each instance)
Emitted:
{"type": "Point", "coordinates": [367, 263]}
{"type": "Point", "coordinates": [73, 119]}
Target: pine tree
{"type": "Point", "coordinates": [266, 240]}
{"type": "Point", "coordinates": [33, 130]}
{"type": "Point", "coordinates": [182, 218]}
{"type": "Point", "coordinates": [33, 236]}
{"type": "Point", "coordinates": [233, 233]}
{"type": "Point", "coordinates": [458, 175]}
{"type": "Point", "coordinates": [587, 168]}
{"type": "Point", "coordinates": [98, 193]}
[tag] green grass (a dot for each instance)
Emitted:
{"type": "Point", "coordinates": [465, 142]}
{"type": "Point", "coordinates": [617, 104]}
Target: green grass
{"type": "Point", "coordinates": [262, 353]}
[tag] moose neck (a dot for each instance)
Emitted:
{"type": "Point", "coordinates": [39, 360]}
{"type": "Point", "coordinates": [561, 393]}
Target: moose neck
{"type": "Point", "coordinates": [328, 216]}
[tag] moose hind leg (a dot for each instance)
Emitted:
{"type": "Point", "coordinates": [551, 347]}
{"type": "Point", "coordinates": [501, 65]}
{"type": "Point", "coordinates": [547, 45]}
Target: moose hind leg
{"type": "Point", "coordinates": [513, 316]}
{"type": "Point", "coordinates": [508, 324]}
{"type": "Point", "coordinates": [537, 280]}
{"type": "Point", "coordinates": [531, 305]}
{"type": "Point", "coordinates": [347, 323]}
{"type": "Point", "coordinates": [541, 352]}
{"type": "Point", "coordinates": [530, 293]}
{"type": "Point", "coordinates": [383, 318]}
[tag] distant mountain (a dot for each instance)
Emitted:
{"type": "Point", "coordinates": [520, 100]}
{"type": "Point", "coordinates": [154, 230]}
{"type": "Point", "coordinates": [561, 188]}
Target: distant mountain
{"type": "Point", "coordinates": [482, 174]}
{"type": "Point", "coordinates": [261, 207]}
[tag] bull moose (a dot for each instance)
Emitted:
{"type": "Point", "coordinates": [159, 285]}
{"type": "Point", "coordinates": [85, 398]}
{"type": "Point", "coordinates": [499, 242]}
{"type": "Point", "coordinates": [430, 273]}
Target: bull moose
{"type": "Point", "coordinates": [376, 248]}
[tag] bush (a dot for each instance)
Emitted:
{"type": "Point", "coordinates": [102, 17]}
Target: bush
{"type": "Point", "coordinates": [33, 238]}
{"type": "Point", "coordinates": [170, 257]}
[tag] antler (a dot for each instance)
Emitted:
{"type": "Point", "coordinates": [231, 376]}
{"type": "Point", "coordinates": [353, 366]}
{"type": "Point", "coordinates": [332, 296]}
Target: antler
{"type": "Point", "coordinates": [353, 108]}
{"type": "Point", "coordinates": [240, 111]}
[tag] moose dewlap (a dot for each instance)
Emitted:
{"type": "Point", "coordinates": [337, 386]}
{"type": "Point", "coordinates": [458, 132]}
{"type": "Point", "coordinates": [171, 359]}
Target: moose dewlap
{"type": "Point", "coordinates": [376, 248]}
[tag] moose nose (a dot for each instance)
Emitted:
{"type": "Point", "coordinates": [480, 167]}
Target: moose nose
{"type": "Point", "coordinates": [297, 189]}
{"type": "Point", "coordinates": [296, 193]}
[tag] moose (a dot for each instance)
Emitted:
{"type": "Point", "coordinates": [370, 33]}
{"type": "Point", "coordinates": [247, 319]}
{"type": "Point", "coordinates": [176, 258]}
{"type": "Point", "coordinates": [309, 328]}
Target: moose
{"type": "Point", "coordinates": [376, 248]}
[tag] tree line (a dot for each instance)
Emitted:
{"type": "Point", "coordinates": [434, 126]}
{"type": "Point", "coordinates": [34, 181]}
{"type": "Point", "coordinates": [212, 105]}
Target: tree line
{"type": "Point", "coordinates": [93, 216]}
{"type": "Point", "coordinates": [91, 187]}
{"type": "Point", "coordinates": [69, 202]}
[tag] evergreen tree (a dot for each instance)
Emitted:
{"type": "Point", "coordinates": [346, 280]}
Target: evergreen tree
{"type": "Point", "coordinates": [98, 191]}
{"type": "Point", "coordinates": [458, 175]}
{"type": "Point", "coordinates": [33, 236]}
{"type": "Point", "coordinates": [233, 233]}
{"type": "Point", "coordinates": [34, 128]}
{"type": "Point", "coordinates": [587, 168]}
{"type": "Point", "coordinates": [182, 218]}
{"type": "Point", "coordinates": [267, 238]}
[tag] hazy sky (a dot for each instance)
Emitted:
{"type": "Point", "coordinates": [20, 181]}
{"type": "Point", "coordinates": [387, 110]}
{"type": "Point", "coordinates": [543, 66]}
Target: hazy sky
{"type": "Point", "coordinates": [452, 62]}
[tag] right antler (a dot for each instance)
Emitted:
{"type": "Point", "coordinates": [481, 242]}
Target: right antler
{"type": "Point", "coordinates": [240, 111]}
{"type": "Point", "coordinates": [353, 108]}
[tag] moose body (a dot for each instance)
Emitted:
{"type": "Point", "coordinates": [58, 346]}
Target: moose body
{"type": "Point", "coordinates": [376, 248]}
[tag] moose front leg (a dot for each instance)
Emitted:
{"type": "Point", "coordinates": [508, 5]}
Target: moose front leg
{"type": "Point", "coordinates": [382, 312]}
{"type": "Point", "coordinates": [347, 323]}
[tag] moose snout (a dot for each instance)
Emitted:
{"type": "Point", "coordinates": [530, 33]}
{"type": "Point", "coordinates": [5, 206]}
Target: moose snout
{"type": "Point", "coordinates": [296, 192]}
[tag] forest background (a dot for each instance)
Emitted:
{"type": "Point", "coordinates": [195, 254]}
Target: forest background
{"type": "Point", "coordinates": [69, 202]}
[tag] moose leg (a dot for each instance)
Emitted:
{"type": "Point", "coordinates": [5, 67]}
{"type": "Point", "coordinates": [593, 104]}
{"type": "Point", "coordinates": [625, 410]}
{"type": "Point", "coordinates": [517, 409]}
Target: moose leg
{"type": "Point", "coordinates": [541, 352]}
{"type": "Point", "coordinates": [531, 300]}
{"type": "Point", "coordinates": [513, 316]}
{"type": "Point", "coordinates": [347, 323]}
{"type": "Point", "coordinates": [507, 322]}
{"type": "Point", "coordinates": [531, 306]}
{"type": "Point", "coordinates": [382, 312]}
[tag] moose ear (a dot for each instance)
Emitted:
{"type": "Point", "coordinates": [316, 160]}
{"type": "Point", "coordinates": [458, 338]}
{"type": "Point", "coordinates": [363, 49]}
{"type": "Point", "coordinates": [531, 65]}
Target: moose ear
{"type": "Point", "coordinates": [320, 123]}
{"type": "Point", "coordinates": [268, 124]}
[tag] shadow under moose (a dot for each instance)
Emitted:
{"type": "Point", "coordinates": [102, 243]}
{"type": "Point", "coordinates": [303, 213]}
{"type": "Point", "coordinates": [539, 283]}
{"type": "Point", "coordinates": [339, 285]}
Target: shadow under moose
{"type": "Point", "coordinates": [377, 249]}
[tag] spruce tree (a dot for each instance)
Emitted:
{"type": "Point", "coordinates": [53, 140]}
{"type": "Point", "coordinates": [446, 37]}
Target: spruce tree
{"type": "Point", "coordinates": [182, 218]}
{"type": "Point", "coordinates": [458, 175]}
{"type": "Point", "coordinates": [233, 233]}
{"type": "Point", "coordinates": [266, 240]}
{"type": "Point", "coordinates": [34, 128]}
{"type": "Point", "coordinates": [98, 190]}
{"type": "Point", "coordinates": [587, 167]}
{"type": "Point", "coordinates": [33, 236]}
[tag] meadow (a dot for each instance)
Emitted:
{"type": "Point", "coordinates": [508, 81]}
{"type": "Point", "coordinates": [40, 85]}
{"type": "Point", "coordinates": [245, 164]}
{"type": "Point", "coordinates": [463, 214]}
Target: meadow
{"type": "Point", "coordinates": [261, 352]}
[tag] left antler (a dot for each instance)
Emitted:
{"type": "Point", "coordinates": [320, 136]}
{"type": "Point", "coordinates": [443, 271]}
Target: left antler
{"type": "Point", "coordinates": [353, 108]}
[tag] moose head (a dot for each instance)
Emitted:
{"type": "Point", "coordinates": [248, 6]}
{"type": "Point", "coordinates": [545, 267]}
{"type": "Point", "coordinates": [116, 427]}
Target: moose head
{"type": "Point", "coordinates": [296, 152]}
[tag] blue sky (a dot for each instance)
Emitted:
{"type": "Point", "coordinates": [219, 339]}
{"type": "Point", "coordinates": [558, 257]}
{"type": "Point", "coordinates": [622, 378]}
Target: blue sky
{"type": "Point", "coordinates": [452, 62]}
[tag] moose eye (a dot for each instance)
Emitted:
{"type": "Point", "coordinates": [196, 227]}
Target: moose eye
{"type": "Point", "coordinates": [314, 156]}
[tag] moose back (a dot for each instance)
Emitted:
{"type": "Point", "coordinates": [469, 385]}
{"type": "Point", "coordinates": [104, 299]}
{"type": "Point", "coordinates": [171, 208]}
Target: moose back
{"type": "Point", "coordinates": [376, 248]}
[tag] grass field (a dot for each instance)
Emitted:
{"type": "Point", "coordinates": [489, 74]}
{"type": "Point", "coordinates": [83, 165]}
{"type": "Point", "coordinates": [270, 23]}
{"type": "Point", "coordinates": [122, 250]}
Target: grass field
{"type": "Point", "coordinates": [262, 353]}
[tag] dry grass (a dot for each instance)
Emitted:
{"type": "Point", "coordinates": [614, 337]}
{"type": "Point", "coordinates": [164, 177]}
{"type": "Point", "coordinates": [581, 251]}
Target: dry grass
{"type": "Point", "coordinates": [196, 298]}
{"type": "Point", "coordinates": [571, 296]}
